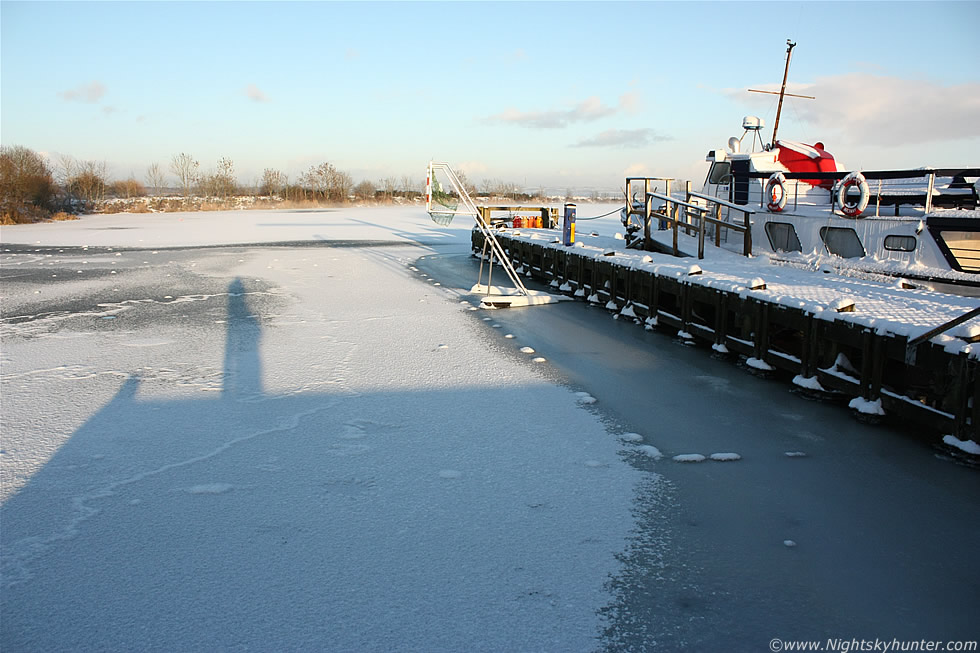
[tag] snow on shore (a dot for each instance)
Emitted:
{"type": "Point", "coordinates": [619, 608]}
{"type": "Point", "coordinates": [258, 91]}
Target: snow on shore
{"type": "Point", "coordinates": [286, 448]}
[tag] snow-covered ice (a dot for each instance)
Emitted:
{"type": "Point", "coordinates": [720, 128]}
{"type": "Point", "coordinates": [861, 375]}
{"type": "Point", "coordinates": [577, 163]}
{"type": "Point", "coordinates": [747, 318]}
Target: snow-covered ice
{"type": "Point", "coordinates": [294, 448]}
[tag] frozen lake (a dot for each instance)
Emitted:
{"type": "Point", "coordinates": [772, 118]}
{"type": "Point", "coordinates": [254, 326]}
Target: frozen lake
{"type": "Point", "coordinates": [213, 440]}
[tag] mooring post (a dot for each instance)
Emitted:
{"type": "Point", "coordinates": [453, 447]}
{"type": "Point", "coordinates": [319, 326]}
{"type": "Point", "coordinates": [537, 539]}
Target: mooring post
{"type": "Point", "coordinates": [718, 225]}
{"type": "Point", "coordinates": [721, 317]}
{"type": "Point", "coordinates": [647, 211]}
{"type": "Point", "coordinates": [806, 351]}
{"type": "Point", "coordinates": [975, 412]}
{"type": "Point", "coordinates": [877, 365]}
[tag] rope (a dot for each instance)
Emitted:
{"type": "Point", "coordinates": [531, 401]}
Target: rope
{"type": "Point", "coordinates": [616, 210]}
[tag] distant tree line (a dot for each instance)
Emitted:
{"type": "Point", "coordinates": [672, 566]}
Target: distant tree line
{"type": "Point", "coordinates": [32, 188]}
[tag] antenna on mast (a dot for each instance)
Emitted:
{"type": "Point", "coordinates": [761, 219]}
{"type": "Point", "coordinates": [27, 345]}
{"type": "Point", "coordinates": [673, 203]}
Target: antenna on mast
{"type": "Point", "coordinates": [782, 90]}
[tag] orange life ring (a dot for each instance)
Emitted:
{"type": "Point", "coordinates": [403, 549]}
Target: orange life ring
{"type": "Point", "coordinates": [774, 204]}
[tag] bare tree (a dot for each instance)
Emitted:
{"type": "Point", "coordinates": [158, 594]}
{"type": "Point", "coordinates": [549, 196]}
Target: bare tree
{"type": "Point", "coordinates": [90, 181]}
{"type": "Point", "coordinates": [411, 186]}
{"type": "Point", "coordinates": [127, 188]}
{"type": "Point", "coordinates": [185, 168]}
{"type": "Point", "coordinates": [365, 190]}
{"type": "Point", "coordinates": [26, 184]}
{"type": "Point", "coordinates": [467, 184]}
{"type": "Point", "coordinates": [273, 182]}
{"type": "Point", "coordinates": [155, 178]}
{"type": "Point", "coordinates": [388, 185]}
{"type": "Point", "coordinates": [66, 171]}
{"type": "Point", "coordinates": [342, 185]}
{"type": "Point", "coordinates": [319, 178]}
{"type": "Point", "coordinates": [489, 186]}
{"type": "Point", "coordinates": [225, 178]}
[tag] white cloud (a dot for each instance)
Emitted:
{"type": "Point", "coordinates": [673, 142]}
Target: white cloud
{"type": "Point", "coordinates": [472, 167]}
{"type": "Point", "coordinates": [255, 93]}
{"type": "Point", "coordinates": [623, 138]}
{"type": "Point", "coordinates": [637, 170]}
{"type": "Point", "coordinates": [91, 93]}
{"type": "Point", "coordinates": [869, 109]}
{"type": "Point", "coordinates": [587, 110]}
{"type": "Point", "coordinates": [629, 102]}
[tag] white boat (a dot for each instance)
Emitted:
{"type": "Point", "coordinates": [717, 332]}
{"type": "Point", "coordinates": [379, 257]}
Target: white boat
{"type": "Point", "coordinates": [795, 203]}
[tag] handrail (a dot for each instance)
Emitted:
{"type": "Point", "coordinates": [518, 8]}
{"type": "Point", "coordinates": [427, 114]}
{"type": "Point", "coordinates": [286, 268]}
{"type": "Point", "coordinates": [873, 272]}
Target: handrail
{"type": "Point", "coordinates": [910, 347]}
{"type": "Point", "coordinates": [674, 200]}
{"type": "Point", "coordinates": [471, 208]}
{"type": "Point", "coordinates": [702, 216]}
{"type": "Point", "coordinates": [718, 200]}
{"type": "Point", "coordinates": [868, 174]}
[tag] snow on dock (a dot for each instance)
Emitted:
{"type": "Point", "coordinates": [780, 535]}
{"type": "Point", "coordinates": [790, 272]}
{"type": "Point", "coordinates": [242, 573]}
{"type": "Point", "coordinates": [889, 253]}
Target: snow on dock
{"type": "Point", "coordinates": [832, 332]}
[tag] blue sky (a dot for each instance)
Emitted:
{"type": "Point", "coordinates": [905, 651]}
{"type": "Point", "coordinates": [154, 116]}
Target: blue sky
{"type": "Point", "coordinates": [545, 94]}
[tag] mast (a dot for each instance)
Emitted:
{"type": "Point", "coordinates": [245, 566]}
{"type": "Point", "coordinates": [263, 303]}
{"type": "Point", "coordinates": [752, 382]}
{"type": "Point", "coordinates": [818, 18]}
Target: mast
{"type": "Point", "coordinates": [782, 91]}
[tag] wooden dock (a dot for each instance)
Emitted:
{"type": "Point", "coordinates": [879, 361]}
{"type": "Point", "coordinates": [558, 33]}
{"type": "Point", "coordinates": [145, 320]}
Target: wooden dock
{"type": "Point", "coordinates": [916, 380]}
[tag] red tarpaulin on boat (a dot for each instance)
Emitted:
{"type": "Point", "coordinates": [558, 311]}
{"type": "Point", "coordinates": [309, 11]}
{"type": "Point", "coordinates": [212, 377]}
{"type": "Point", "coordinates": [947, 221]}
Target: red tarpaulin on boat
{"type": "Point", "coordinates": [799, 157]}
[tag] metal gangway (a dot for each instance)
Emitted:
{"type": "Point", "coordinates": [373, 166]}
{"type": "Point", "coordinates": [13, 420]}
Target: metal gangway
{"type": "Point", "coordinates": [491, 296]}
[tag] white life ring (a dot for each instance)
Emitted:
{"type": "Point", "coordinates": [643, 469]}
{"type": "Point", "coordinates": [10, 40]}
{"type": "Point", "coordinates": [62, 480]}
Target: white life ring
{"type": "Point", "coordinates": [853, 209]}
{"type": "Point", "coordinates": [776, 180]}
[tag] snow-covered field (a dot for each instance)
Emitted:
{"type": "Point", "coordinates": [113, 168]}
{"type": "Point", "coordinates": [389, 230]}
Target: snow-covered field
{"type": "Point", "coordinates": [287, 448]}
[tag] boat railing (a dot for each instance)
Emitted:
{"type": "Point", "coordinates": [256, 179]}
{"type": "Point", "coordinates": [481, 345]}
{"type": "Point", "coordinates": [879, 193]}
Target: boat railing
{"type": "Point", "coordinates": [892, 194]}
{"type": "Point", "coordinates": [696, 219]}
{"type": "Point", "coordinates": [699, 215]}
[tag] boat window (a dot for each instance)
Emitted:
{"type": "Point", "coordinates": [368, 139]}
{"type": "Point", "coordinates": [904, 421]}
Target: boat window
{"type": "Point", "coordinates": [842, 241]}
{"type": "Point", "coordinates": [740, 189]}
{"type": "Point", "coordinates": [720, 173]}
{"type": "Point", "coordinates": [965, 247]}
{"type": "Point", "coordinates": [782, 237]}
{"type": "Point", "coordinates": [900, 243]}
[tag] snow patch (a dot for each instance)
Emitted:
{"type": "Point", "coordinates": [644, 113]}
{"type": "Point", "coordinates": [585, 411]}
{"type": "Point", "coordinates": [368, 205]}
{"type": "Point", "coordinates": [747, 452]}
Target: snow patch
{"type": "Point", "coordinates": [631, 437]}
{"type": "Point", "coordinates": [689, 458]}
{"type": "Point", "coordinates": [759, 364]}
{"type": "Point", "coordinates": [650, 451]}
{"type": "Point", "coordinates": [866, 407]}
{"type": "Point", "coordinates": [810, 383]}
{"type": "Point", "coordinates": [967, 446]}
{"type": "Point", "coordinates": [725, 457]}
